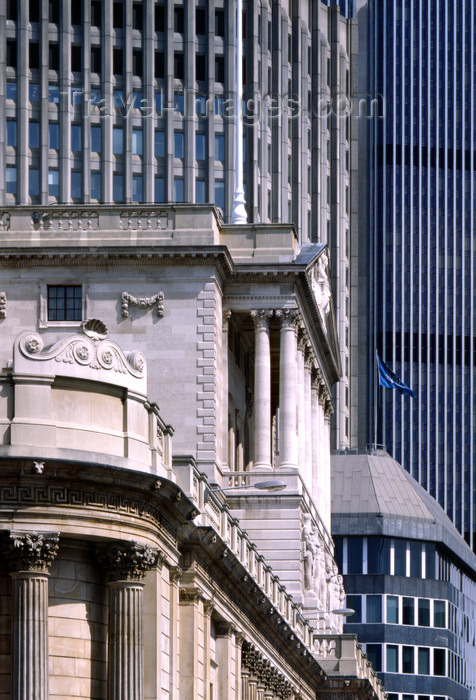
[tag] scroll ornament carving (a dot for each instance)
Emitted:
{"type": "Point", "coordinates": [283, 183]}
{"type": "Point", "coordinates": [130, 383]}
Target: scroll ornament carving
{"type": "Point", "coordinates": [3, 305]}
{"type": "Point", "coordinates": [142, 303]}
{"type": "Point", "coordinates": [87, 350]}
{"type": "Point", "coordinates": [31, 551]}
{"type": "Point", "coordinates": [127, 561]}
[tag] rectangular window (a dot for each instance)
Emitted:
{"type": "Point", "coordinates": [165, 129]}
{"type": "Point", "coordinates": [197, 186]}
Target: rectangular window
{"type": "Point", "coordinates": [117, 141]}
{"type": "Point", "coordinates": [76, 11]}
{"type": "Point", "coordinates": [400, 549]}
{"type": "Point", "coordinates": [76, 59]}
{"type": "Point", "coordinates": [11, 180]}
{"type": "Point", "coordinates": [12, 9]}
{"type": "Point", "coordinates": [53, 94]}
{"type": "Point", "coordinates": [117, 17]}
{"type": "Point", "coordinates": [159, 145]}
{"type": "Point", "coordinates": [392, 609]}
{"type": "Point", "coordinates": [96, 186]}
{"type": "Point", "coordinates": [53, 56]}
{"type": "Point", "coordinates": [76, 144]}
{"type": "Point", "coordinates": [178, 66]}
{"type": "Point", "coordinates": [200, 67]}
{"type": "Point", "coordinates": [201, 21]}
{"type": "Point", "coordinates": [96, 139]}
{"type": "Point", "coordinates": [178, 189]}
{"type": "Point", "coordinates": [439, 613]}
{"type": "Point", "coordinates": [354, 553]}
{"type": "Point", "coordinates": [200, 146]}
{"type": "Point", "coordinates": [117, 188]}
{"type": "Point", "coordinates": [34, 55]}
{"type": "Point", "coordinates": [34, 135]}
{"type": "Point", "coordinates": [220, 147]}
{"type": "Point", "coordinates": [117, 61]}
{"type": "Point", "coordinates": [11, 53]}
{"type": "Point", "coordinates": [408, 664]}
{"type": "Point", "coordinates": [178, 20]}
{"type": "Point", "coordinates": [96, 13]}
{"type": "Point", "coordinates": [137, 188]}
{"type": "Point", "coordinates": [178, 102]}
{"type": "Point", "coordinates": [159, 18]}
{"type": "Point", "coordinates": [65, 303]}
{"type": "Point", "coordinates": [34, 92]}
{"type": "Point", "coordinates": [220, 23]}
{"type": "Point", "coordinates": [137, 62]}
{"type": "Point", "coordinates": [408, 610]}
{"type": "Point", "coordinates": [219, 69]}
{"type": "Point", "coordinates": [220, 194]}
{"type": "Point", "coordinates": [415, 559]}
{"type": "Point", "coordinates": [34, 182]}
{"type": "Point", "coordinates": [11, 133]}
{"type": "Point", "coordinates": [424, 612]}
{"type": "Point", "coordinates": [355, 603]}
{"type": "Point", "coordinates": [160, 189]}
{"type": "Point", "coordinates": [424, 661]}
{"type": "Point", "coordinates": [53, 183]}
{"type": "Point", "coordinates": [374, 654]}
{"type": "Point", "coordinates": [439, 662]}
{"type": "Point", "coordinates": [53, 12]}
{"type": "Point", "coordinates": [34, 11]}
{"type": "Point", "coordinates": [11, 91]}
{"type": "Point", "coordinates": [374, 608]}
{"type": "Point", "coordinates": [137, 15]}
{"type": "Point", "coordinates": [53, 136]}
{"type": "Point", "coordinates": [76, 185]}
{"type": "Point", "coordinates": [96, 59]}
{"type": "Point", "coordinates": [137, 142]}
{"type": "Point", "coordinates": [200, 193]}
{"type": "Point", "coordinates": [159, 64]}
{"type": "Point", "coordinates": [392, 658]}
{"type": "Point", "coordinates": [178, 144]}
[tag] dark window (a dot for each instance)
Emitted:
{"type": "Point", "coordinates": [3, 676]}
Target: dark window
{"type": "Point", "coordinates": [159, 18]}
{"type": "Point", "coordinates": [354, 555]}
{"type": "Point", "coordinates": [439, 662]}
{"type": "Point", "coordinates": [392, 658]}
{"type": "Point", "coordinates": [137, 15]}
{"type": "Point", "coordinates": [424, 612]}
{"type": "Point", "coordinates": [424, 661]}
{"type": "Point", "coordinates": [220, 23]}
{"type": "Point", "coordinates": [53, 11]}
{"type": "Point", "coordinates": [178, 66]}
{"type": "Point", "coordinates": [96, 59]}
{"type": "Point", "coordinates": [76, 11]}
{"type": "Point", "coordinates": [378, 555]}
{"type": "Point", "coordinates": [439, 613]}
{"type": "Point", "coordinates": [200, 67]}
{"type": "Point", "coordinates": [65, 303]}
{"type": "Point", "coordinates": [34, 54]}
{"type": "Point", "coordinates": [11, 133]}
{"type": "Point", "coordinates": [12, 9]}
{"type": "Point", "coordinates": [415, 559]}
{"type": "Point", "coordinates": [34, 11]}
{"type": "Point", "coordinates": [408, 665]}
{"type": "Point", "coordinates": [220, 69]}
{"type": "Point", "coordinates": [53, 56]}
{"type": "Point", "coordinates": [374, 654]}
{"type": "Point", "coordinates": [137, 62]}
{"type": "Point", "coordinates": [117, 18]}
{"type": "Point", "coordinates": [374, 608]}
{"type": "Point", "coordinates": [96, 139]}
{"type": "Point", "coordinates": [355, 603]}
{"type": "Point", "coordinates": [11, 53]}
{"type": "Point", "coordinates": [117, 61]}
{"type": "Point", "coordinates": [76, 59]}
{"type": "Point", "coordinates": [400, 557]}
{"type": "Point", "coordinates": [430, 560]}
{"type": "Point", "coordinates": [408, 607]}
{"type": "Point", "coordinates": [201, 21]}
{"type": "Point", "coordinates": [159, 64]}
{"type": "Point", "coordinates": [178, 20]}
{"type": "Point", "coordinates": [392, 609]}
{"type": "Point", "coordinates": [96, 13]}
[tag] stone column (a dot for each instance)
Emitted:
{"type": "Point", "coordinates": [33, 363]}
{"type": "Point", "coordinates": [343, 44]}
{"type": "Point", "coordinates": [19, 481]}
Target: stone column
{"type": "Point", "coordinates": [301, 424]}
{"type": "Point", "coordinates": [29, 556]}
{"type": "Point", "coordinates": [288, 444]}
{"type": "Point", "coordinates": [315, 434]}
{"type": "Point", "coordinates": [262, 390]}
{"type": "Point", "coordinates": [125, 565]}
{"type": "Point", "coordinates": [224, 392]}
{"type": "Point", "coordinates": [224, 657]}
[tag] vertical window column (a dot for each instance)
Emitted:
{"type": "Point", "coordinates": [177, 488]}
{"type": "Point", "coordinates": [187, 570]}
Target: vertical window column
{"type": "Point", "coordinates": [125, 565]}
{"type": "Point", "coordinates": [30, 556]}
{"type": "Point", "coordinates": [148, 121]}
{"type": "Point", "coordinates": [288, 444]}
{"type": "Point", "coordinates": [262, 390]}
{"type": "Point", "coordinates": [107, 95]}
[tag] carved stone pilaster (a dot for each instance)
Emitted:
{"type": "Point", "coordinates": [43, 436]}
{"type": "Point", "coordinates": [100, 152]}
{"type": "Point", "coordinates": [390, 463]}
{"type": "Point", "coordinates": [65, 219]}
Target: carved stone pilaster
{"type": "Point", "coordinates": [31, 551]}
{"type": "Point", "coordinates": [127, 561]}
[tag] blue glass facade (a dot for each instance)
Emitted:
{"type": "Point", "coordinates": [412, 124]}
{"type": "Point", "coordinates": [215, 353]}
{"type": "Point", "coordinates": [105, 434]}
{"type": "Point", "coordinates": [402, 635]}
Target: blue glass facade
{"type": "Point", "coordinates": [421, 58]}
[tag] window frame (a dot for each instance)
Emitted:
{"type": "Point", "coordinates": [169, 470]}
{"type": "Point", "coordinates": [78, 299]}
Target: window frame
{"type": "Point", "coordinates": [44, 321]}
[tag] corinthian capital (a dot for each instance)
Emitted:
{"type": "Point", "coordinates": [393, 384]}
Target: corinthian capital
{"type": "Point", "coordinates": [261, 318]}
{"type": "Point", "coordinates": [127, 561]}
{"type": "Point", "coordinates": [288, 317]}
{"type": "Point", "coordinates": [31, 551]}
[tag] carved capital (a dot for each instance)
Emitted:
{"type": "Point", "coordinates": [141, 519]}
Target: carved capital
{"type": "Point", "coordinates": [3, 305]}
{"type": "Point", "coordinates": [226, 315]}
{"type": "Point", "coordinates": [189, 596]}
{"type": "Point", "coordinates": [127, 561]}
{"type": "Point", "coordinates": [288, 318]}
{"type": "Point", "coordinates": [31, 551]}
{"type": "Point", "coordinates": [142, 303]}
{"type": "Point", "coordinates": [261, 318]}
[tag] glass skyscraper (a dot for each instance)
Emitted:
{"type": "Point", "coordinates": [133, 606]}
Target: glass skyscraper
{"type": "Point", "coordinates": [420, 187]}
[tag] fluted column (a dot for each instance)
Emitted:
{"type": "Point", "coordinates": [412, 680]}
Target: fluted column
{"type": "Point", "coordinates": [262, 390]}
{"type": "Point", "coordinates": [288, 444]}
{"type": "Point", "coordinates": [29, 556]}
{"type": "Point", "coordinates": [125, 565]}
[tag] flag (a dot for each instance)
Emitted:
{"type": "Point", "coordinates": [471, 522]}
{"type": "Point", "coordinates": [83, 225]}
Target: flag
{"type": "Point", "coordinates": [390, 380]}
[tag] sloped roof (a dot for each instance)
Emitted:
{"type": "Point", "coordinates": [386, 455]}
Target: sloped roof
{"type": "Point", "coordinates": [373, 494]}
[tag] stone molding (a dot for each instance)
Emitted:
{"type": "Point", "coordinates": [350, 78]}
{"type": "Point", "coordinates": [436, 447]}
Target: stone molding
{"type": "Point", "coordinates": [142, 303]}
{"type": "Point", "coordinates": [3, 305]}
{"type": "Point", "coordinates": [31, 551]}
{"type": "Point", "coordinates": [262, 669]}
{"type": "Point", "coordinates": [127, 561]}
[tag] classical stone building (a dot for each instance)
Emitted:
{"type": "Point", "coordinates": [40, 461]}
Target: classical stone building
{"type": "Point", "coordinates": [123, 575]}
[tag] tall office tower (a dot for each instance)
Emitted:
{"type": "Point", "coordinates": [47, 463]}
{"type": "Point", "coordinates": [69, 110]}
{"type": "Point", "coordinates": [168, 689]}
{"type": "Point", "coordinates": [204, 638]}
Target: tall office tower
{"type": "Point", "coordinates": [134, 102]}
{"type": "Point", "coordinates": [419, 181]}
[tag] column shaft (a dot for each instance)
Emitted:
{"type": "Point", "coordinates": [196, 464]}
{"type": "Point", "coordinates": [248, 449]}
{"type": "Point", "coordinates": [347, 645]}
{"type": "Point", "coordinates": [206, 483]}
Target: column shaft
{"type": "Point", "coordinates": [126, 645]}
{"type": "Point", "coordinates": [288, 444]}
{"type": "Point", "coordinates": [30, 636]}
{"type": "Point", "coordinates": [262, 391]}
{"type": "Point", "coordinates": [308, 423]}
{"type": "Point", "coordinates": [315, 441]}
{"type": "Point", "coordinates": [301, 419]}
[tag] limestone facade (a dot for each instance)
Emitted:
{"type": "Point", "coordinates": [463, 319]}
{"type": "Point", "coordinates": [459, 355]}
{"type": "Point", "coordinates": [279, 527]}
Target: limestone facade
{"type": "Point", "coordinates": [142, 582]}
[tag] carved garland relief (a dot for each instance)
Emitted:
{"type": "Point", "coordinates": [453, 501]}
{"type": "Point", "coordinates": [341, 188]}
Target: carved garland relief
{"type": "Point", "coordinates": [142, 303]}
